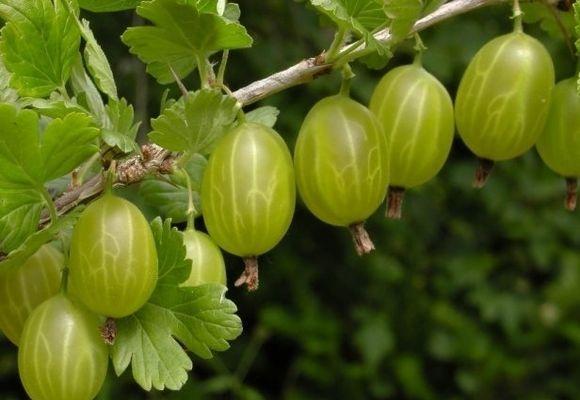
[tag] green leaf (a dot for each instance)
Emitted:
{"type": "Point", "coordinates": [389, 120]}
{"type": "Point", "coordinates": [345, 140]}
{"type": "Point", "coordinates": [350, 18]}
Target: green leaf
{"type": "Point", "coordinates": [200, 318]}
{"type": "Point", "coordinates": [266, 115]}
{"type": "Point", "coordinates": [38, 45]}
{"type": "Point", "coordinates": [87, 94]}
{"type": "Point", "coordinates": [57, 107]}
{"type": "Point", "coordinates": [546, 16]}
{"type": "Point", "coordinates": [181, 36]}
{"type": "Point", "coordinates": [19, 215]}
{"type": "Point", "coordinates": [232, 12]}
{"type": "Point", "coordinates": [431, 6]}
{"type": "Point", "coordinates": [20, 155]}
{"type": "Point", "coordinates": [195, 123]}
{"type": "Point", "coordinates": [67, 143]}
{"type": "Point", "coordinates": [120, 129]}
{"type": "Point", "coordinates": [403, 15]}
{"type": "Point", "coordinates": [97, 62]}
{"type": "Point", "coordinates": [34, 240]}
{"type": "Point", "coordinates": [170, 198]}
{"type": "Point", "coordinates": [108, 5]}
{"type": "Point", "coordinates": [7, 94]}
{"type": "Point", "coordinates": [359, 16]}
{"type": "Point", "coordinates": [211, 6]}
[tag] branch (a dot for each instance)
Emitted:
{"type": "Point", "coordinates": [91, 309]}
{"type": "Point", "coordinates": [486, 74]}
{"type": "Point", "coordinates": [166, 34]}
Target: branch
{"type": "Point", "coordinates": [307, 70]}
{"type": "Point", "coordinates": [157, 160]}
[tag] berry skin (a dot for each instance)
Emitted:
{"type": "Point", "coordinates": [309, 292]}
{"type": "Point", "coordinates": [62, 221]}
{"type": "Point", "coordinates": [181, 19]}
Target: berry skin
{"type": "Point", "coordinates": [22, 289]}
{"type": "Point", "coordinates": [207, 261]}
{"type": "Point", "coordinates": [503, 98]}
{"type": "Point", "coordinates": [61, 354]}
{"type": "Point", "coordinates": [113, 259]}
{"type": "Point", "coordinates": [341, 161]}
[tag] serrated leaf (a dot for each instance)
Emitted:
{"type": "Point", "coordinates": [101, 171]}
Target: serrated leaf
{"type": "Point", "coordinates": [120, 129]}
{"type": "Point", "coordinates": [266, 115]}
{"type": "Point", "coordinates": [200, 318]}
{"type": "Point", "coordinates": [19, 215]}
{"type": "Point", "coordinates": [403, 15]}
{"type": "Point", "coordinates": [38, 45]}
{"type": "Point", "coordinates": [66, 143]}
{"type": "Point", "coordinates": [34, 240]}
{"type": "Point", "coordinates": [87, 94]}
{"type": "Point", "coordinates": [232, 12]}
{"type": "Point", "coordinates": [546, 16]}
{"type": "Point", "coordinates": [376, 61]}
{"type": "Point", "coordinates": [181, 36]}
{"type": "Point", "coordinates": [97, 62]}
{"type": "Point", "coordinates": [56, 106]}
{"type": "Point", "coordinates": [20, 157]}
{"type": "Point", "coordinates": [171, 197]}
{"type": "Point", "coordinates": [195, 123]}
{"type": "Point", "coordinates": [108, 5]}
{"type": "Point", "coordinates": [358, 16]}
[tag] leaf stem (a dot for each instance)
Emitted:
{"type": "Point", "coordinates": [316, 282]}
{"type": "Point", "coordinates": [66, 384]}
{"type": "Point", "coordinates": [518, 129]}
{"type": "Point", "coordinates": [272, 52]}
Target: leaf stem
{"type": "Point", "coordinates": [347, 76]}
{"type": "Point", "coordinates": [336, 45]}
{"type": "Point", "coordinates": [50, 205]}
{"type": "Point", "coordinates": [222, 68]}
{"type": "Point", "coordinates": [203, 72]}
{"type": "Point", "coordinates": [191, 210]}
{"type": "Point", "coordinates": [517, 17]}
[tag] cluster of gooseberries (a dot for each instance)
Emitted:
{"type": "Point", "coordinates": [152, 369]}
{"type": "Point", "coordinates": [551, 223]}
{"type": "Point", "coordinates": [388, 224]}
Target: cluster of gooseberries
{"type": "Point", "coordinates": [347, 159]}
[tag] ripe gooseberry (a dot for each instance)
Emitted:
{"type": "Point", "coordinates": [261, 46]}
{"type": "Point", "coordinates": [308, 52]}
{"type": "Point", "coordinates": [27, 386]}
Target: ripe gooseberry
{"type": "Point", "coordinates": [248, 194]}
{"type": "Point", "coordinates": [113, 260]}
{"type": "Point", "coordinates": [23, 288]}
{"type": "Point", "coordinates": [207, 261]}
{"type": "Point", "coordinates": [61, 354]}
{"type": "Point", "coordinates": [559, 143]}
{"type": "Point", "coordinates": [503, 99]}
{"type": "Point", "coordinates": [342, 166]}
{"type": "Point", "coordinates": [416, 113]}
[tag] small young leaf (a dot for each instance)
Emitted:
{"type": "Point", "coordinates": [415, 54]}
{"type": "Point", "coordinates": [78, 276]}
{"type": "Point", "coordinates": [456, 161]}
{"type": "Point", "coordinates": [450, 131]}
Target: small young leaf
{"type": "Point", "coordinates": [66, 143]}
{"type": "Point", "coordinates": [121, 129]}
{"type": "Point", "coordinates": [57, 107]}
{"type": "Point", "coordinates": [200, 318]}
{"type": "Point", "coordinates": [97, 62]}
{"type": "Point", "coordinates": [38, 45]}
{"type": "Point", "coordinates": [171, 197]}
{"type": "Point", "coordinates": [403, 15]}
{"type": "Point", "coordinates": [266, 115]}
{"type": "Point", "coordinates": [181, 35]}
{"type": "Point", "coordinates": [546, 17]}
{"type": "Point", "coordinates": [108, 5]}
{"type": "Point", "coordinates": [359, 16]}
{"type": "Point", "coordinates": [195, 123]}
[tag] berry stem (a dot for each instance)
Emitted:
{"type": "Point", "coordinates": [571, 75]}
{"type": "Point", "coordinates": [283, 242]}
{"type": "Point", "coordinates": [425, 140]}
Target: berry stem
{"type": "Point", "coordinates": [250, 275]}
{"type": "Point", "coordinates": [347, 76]}
{"type": "Point", "coordinates": [517, 17]}
{"type": "Point", "coordinates": [395, 199]}
{"type": "Point", "coordinates": [571, 193]}
{"type": "Point", "coordinates": [482, 172]}
{"type": "Point", "coordinates": [362, 241]}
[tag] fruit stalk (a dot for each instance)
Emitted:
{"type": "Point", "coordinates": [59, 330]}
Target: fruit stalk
{"type": "Point", "coordinates": [571, 193]}
{"type": "Point", "coordinates": [482, 172]}
{"type": "Point", "coordinates": [362, 241]}
{"type": "Point", "coordinates": [395, 199]}
{"type": "Point", "coordinates": [250, 276]}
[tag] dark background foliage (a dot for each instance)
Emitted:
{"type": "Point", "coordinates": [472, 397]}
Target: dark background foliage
{"type": "Point", "coordinates": [474, 294]}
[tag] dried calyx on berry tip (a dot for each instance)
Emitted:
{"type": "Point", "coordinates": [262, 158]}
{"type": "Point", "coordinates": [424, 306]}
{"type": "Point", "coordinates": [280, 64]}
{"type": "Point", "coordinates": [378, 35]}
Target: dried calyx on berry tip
{"type": "Point", "coordinates": [250, 275]}
{"type": "Point", "coordinates": [571, 193]}
{"type": "Point", "coordinates": [362, 241]}
{"type": "Point", "coordinates": [482, 172]}
{"type": "Point", "coordinates": [109, 331]}
{"type": "Point", "coordinates": [395, 199]}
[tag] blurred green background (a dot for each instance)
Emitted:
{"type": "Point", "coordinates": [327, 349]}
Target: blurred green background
{"type": "Point", "coordinates": [474, 294]}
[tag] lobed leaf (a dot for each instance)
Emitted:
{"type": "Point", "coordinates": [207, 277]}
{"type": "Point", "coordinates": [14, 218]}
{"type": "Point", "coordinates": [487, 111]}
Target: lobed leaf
{"type": "Point", "coordinates": [195, 123]}
{"type": "Point", "coordinates": [266, 115]}
{"type": "Point", "coordinates": [180, 37]}
{"type": "Point", "coordinates": [120, 129]}
{"type": "Point", "coordinates": [201, 318]}
{"type": "Point", "coordinates": [38, 45]}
